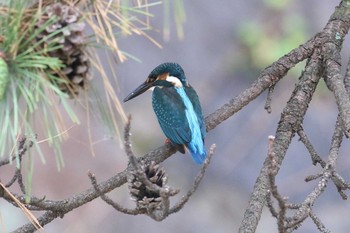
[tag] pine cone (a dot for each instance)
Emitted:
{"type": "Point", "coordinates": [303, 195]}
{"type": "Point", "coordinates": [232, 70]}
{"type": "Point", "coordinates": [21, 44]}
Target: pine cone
{"type": "Point", "coordinates": [72, 54]}
{"type": "Point", "coordinates": [144, 197]}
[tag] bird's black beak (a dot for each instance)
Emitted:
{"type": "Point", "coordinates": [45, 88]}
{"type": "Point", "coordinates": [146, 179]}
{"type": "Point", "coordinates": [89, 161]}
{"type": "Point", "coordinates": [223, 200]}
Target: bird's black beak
{"type": "Point", "coordinates": [138, 91]}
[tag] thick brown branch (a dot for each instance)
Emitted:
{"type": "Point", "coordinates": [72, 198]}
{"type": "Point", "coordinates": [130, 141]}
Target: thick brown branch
{"type": "Point", "coordinates": [332, 60]}
{"type": "Point", "coordinates": [268, 78]}
{"type": "Point", "coordinates": [292, 116]}
{"type": "Point", "coordinates": [290, 122]}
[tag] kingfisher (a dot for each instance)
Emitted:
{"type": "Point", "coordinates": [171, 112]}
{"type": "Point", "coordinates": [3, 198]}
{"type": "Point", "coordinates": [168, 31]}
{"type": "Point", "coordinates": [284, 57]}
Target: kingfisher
{"type": "Point", "coordinates": [177, 107]}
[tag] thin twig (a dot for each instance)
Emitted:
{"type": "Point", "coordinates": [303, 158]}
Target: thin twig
{"type": "Point", "coordinates": [313, 177]}
{"type": "Point", "coordinates": [196, 183]}
{"type": "Point", "coordinates": [305, 208]}
{"type": "Point", "coordinates": [22, 149]}
{"type": "Point", "coordinates": [267, 106]}
{"type": "Point", "coordinates": [314, 156]}
{"type": "Point", "coordinates": [282, 201]}
{"type": "Point", "coordinates": [28, 214]}
{"type": "Point", "coordinates": [110, 201]}
{"type": "Point", "coordinates": [347, 77]}
{"type": "Point", "coordinates": [269, 204]}
{"type": "Point", "coordinates": [318, 223]}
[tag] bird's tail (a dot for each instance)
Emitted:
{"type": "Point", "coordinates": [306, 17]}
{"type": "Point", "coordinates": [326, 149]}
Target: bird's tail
{"type": "Point", "coordinates": [198, 155]}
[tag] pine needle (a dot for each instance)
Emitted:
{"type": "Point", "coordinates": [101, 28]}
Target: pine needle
{"type": "Point", "coordinates": [26, 212]}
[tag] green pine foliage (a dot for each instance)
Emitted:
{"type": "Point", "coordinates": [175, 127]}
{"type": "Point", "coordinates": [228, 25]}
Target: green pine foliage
{"type": "Point", "coordinates": [30, 89]}
{"type": "Point", "coordinates": [32, 103]}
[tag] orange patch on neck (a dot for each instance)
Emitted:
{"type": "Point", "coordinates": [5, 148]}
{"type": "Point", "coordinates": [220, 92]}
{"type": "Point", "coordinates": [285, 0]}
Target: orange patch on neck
{"type": "Point", "coordinates": [163, 76]}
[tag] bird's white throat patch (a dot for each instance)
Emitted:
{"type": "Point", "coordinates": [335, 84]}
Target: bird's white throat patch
{"type": "Point", "coordinates": [174, 80]}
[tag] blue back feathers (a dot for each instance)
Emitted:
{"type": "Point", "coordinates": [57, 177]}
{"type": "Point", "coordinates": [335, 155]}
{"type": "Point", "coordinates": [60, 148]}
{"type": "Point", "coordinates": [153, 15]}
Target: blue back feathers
{"type": "Point", "coordinates": [196, 144]}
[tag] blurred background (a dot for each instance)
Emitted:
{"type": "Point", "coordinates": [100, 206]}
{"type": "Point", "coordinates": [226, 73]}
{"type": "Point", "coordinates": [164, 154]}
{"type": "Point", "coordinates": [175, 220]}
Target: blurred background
{"type": "Point", "coordinates": [225, 46]}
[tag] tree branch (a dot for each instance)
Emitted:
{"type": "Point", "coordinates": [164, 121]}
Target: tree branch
{"type": "Point", "coordinates": [332, 61]}
{"type": "Point", "coordinates": [291, 119]}
{"type": "Point", "coordinates": [293, 114]}
{"type": "Point", "coordinates": [314, 156]}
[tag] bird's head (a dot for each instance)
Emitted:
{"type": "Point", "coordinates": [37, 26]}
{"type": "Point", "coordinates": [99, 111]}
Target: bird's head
{"type": "Point", "coordinates": [165, 75]}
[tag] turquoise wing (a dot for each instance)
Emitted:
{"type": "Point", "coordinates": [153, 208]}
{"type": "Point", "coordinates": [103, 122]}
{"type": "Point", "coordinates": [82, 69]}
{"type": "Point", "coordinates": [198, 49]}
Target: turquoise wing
{"type": "Point", "coordinates": [170, 111]}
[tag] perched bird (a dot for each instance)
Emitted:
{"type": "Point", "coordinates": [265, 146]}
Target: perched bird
{"type": "Point", "coordinates": [177, 107]}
